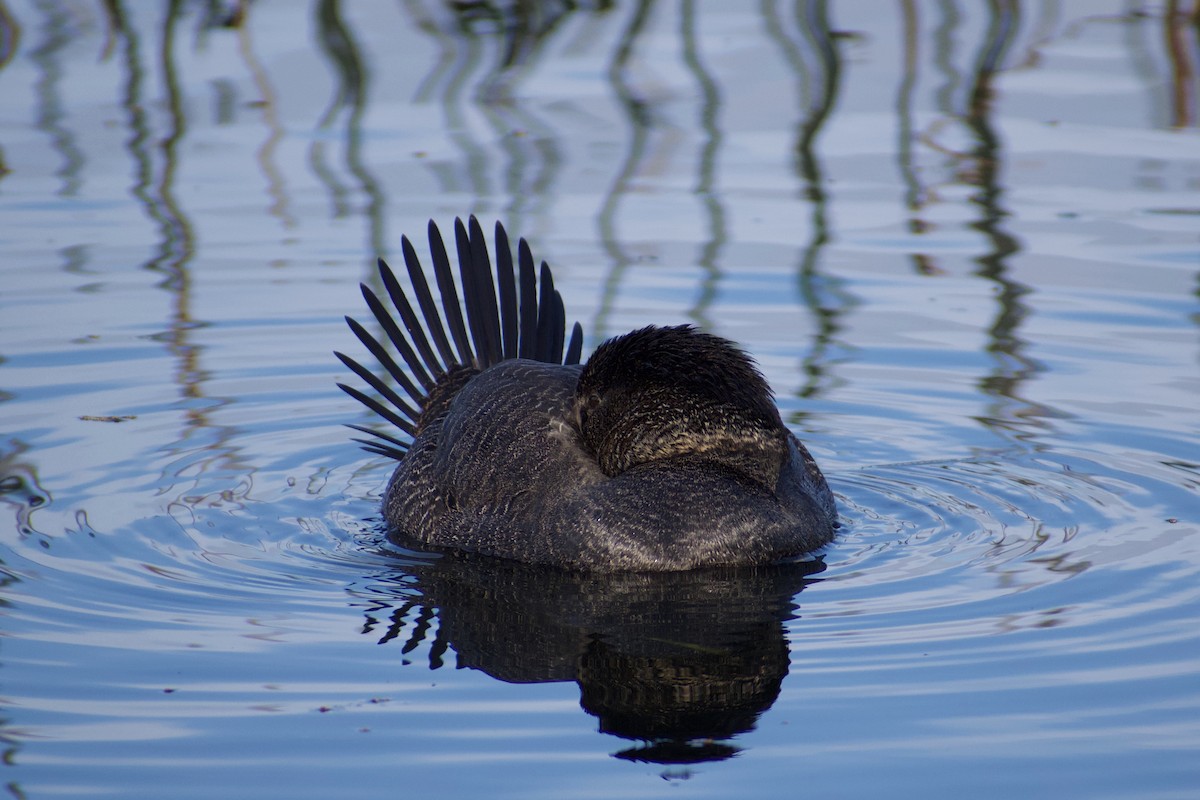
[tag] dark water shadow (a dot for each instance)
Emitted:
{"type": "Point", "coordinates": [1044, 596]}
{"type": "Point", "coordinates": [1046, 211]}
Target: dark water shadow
{"type": "Point", "coordinates": [680, 663]}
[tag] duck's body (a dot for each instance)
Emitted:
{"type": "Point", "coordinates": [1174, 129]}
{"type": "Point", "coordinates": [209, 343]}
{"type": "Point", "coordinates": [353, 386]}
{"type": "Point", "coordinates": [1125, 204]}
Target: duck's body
{"type": "Point", "coordinates": [663, 452]}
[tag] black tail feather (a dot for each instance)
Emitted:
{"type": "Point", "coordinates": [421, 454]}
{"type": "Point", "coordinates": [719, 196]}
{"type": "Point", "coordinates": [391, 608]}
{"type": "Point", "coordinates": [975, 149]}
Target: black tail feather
{"type": "Point", "coordinates": [544, 350]}
{"type": "Point", "coordinates": [397, 444]}
{"type": "Point", "coordinates": [445, 282]}
{"type": "Point", "coordinates": [380, 409]}
{"type": "Point", "coordinates": [529, 302]}
{"type": "Point", "coordinates": [396, 337]}
{"type": "Point", "coordinates": [479, 292]}
{"type": "Point", "coordinates": [416, 333]}
{"type": "Point", "coordinates": [380, 449]}
{"type": "Point", "coordinates": [378, 385]}
{"type": "Point", "coordinates": [507, 315]}
{"type": "Point", "coordinates": [575, 346]}
{"type": "Point", "coordinates": [489, 300]}
{"type": "Point", "coordinates": [425, 300]}
{"type": "Point", "coordinates": [384, 358]}
{"type": "Point", "coordinates": [558, 327]}
{"type": "Point", "coordinates": [389, 446]}
{"type": "Point", "coordinates": [506, 291]}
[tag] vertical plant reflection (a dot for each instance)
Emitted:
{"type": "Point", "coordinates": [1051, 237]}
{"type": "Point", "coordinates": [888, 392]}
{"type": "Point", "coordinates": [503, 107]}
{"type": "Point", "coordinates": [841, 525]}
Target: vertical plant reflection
{"type": "Point", "coordinates": [57, 34]}
{"type": "Point", "coordinates": [533, 153]}
{"type": "Point", "coordinates": [914, 196]}
{"type": "Point", "coordinates": [525, 27]}
{"type": "Point", "coordinates": [809, 48]}
{"type": "Point", "coordinates": [968, 98]}
{"type": "Point", "coordinates": [705, 189]}
{"type": "Point", "coordinates": [461, 54]}
{"type": "Point", "coordinates": [1013, 367]}
{"type": "Point", "coordinates": [512, 37]}
{"type": "Point", "coordinates": [155, 192]}
{"type": "Point", "coordinates": [178, 243]}
{"type": "Point", "coordinates": [1177, 25]}
{"type": "Point", "coordinates": [269, 103]}
{"type": "Point", "coordinates": [339, 45]}
{"type": "Point", "coordinates": [154, 186]}
{"type": "Point", "coordinates": [918, 195]}
{"type": "Point", "coordinates": [10, 35]}
{"type": "Point", "coordinates": [638, 113]}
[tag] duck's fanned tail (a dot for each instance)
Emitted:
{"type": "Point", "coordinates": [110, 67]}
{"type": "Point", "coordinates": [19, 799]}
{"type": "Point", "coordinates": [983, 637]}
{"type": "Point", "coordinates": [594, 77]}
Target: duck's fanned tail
{"type": "Point", "coordinates": [507, 317]}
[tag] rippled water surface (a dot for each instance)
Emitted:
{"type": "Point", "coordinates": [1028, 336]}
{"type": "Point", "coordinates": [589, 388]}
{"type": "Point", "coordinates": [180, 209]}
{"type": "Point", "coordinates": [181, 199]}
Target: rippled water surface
{"type": "Point", "coordinates": [963, 242]}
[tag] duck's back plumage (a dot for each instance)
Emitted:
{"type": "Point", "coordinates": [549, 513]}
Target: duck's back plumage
{"type": "Point", "coordinates": [509, 447]}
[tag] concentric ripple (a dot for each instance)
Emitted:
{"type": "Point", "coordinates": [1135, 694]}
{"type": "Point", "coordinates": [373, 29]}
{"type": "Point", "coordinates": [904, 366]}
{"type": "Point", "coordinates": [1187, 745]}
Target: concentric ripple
{"type": "Point", "coordinates": [975, 562]}
{"type": "Point", "coordinates": [1008, 524]}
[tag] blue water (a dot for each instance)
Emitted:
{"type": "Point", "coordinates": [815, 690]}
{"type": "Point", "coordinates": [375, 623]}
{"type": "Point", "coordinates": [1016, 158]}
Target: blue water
{"type": "Point", "coordinates": [963, 244]}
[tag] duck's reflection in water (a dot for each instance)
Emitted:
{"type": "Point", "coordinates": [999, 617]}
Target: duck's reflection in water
{"type": "Point", "coordinates": [681, 663]}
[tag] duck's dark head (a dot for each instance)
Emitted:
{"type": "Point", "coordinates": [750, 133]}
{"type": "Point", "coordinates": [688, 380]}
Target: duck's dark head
{"type": "Point", "coordinates": [660, 393]}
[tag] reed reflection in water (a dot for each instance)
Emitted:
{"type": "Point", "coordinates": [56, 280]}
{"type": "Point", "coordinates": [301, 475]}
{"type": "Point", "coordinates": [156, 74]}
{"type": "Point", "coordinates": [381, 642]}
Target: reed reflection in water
{"type": "Point", "coordinates": [497, 148]}
{"type": "Point", "coordinates": [959, 238]}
